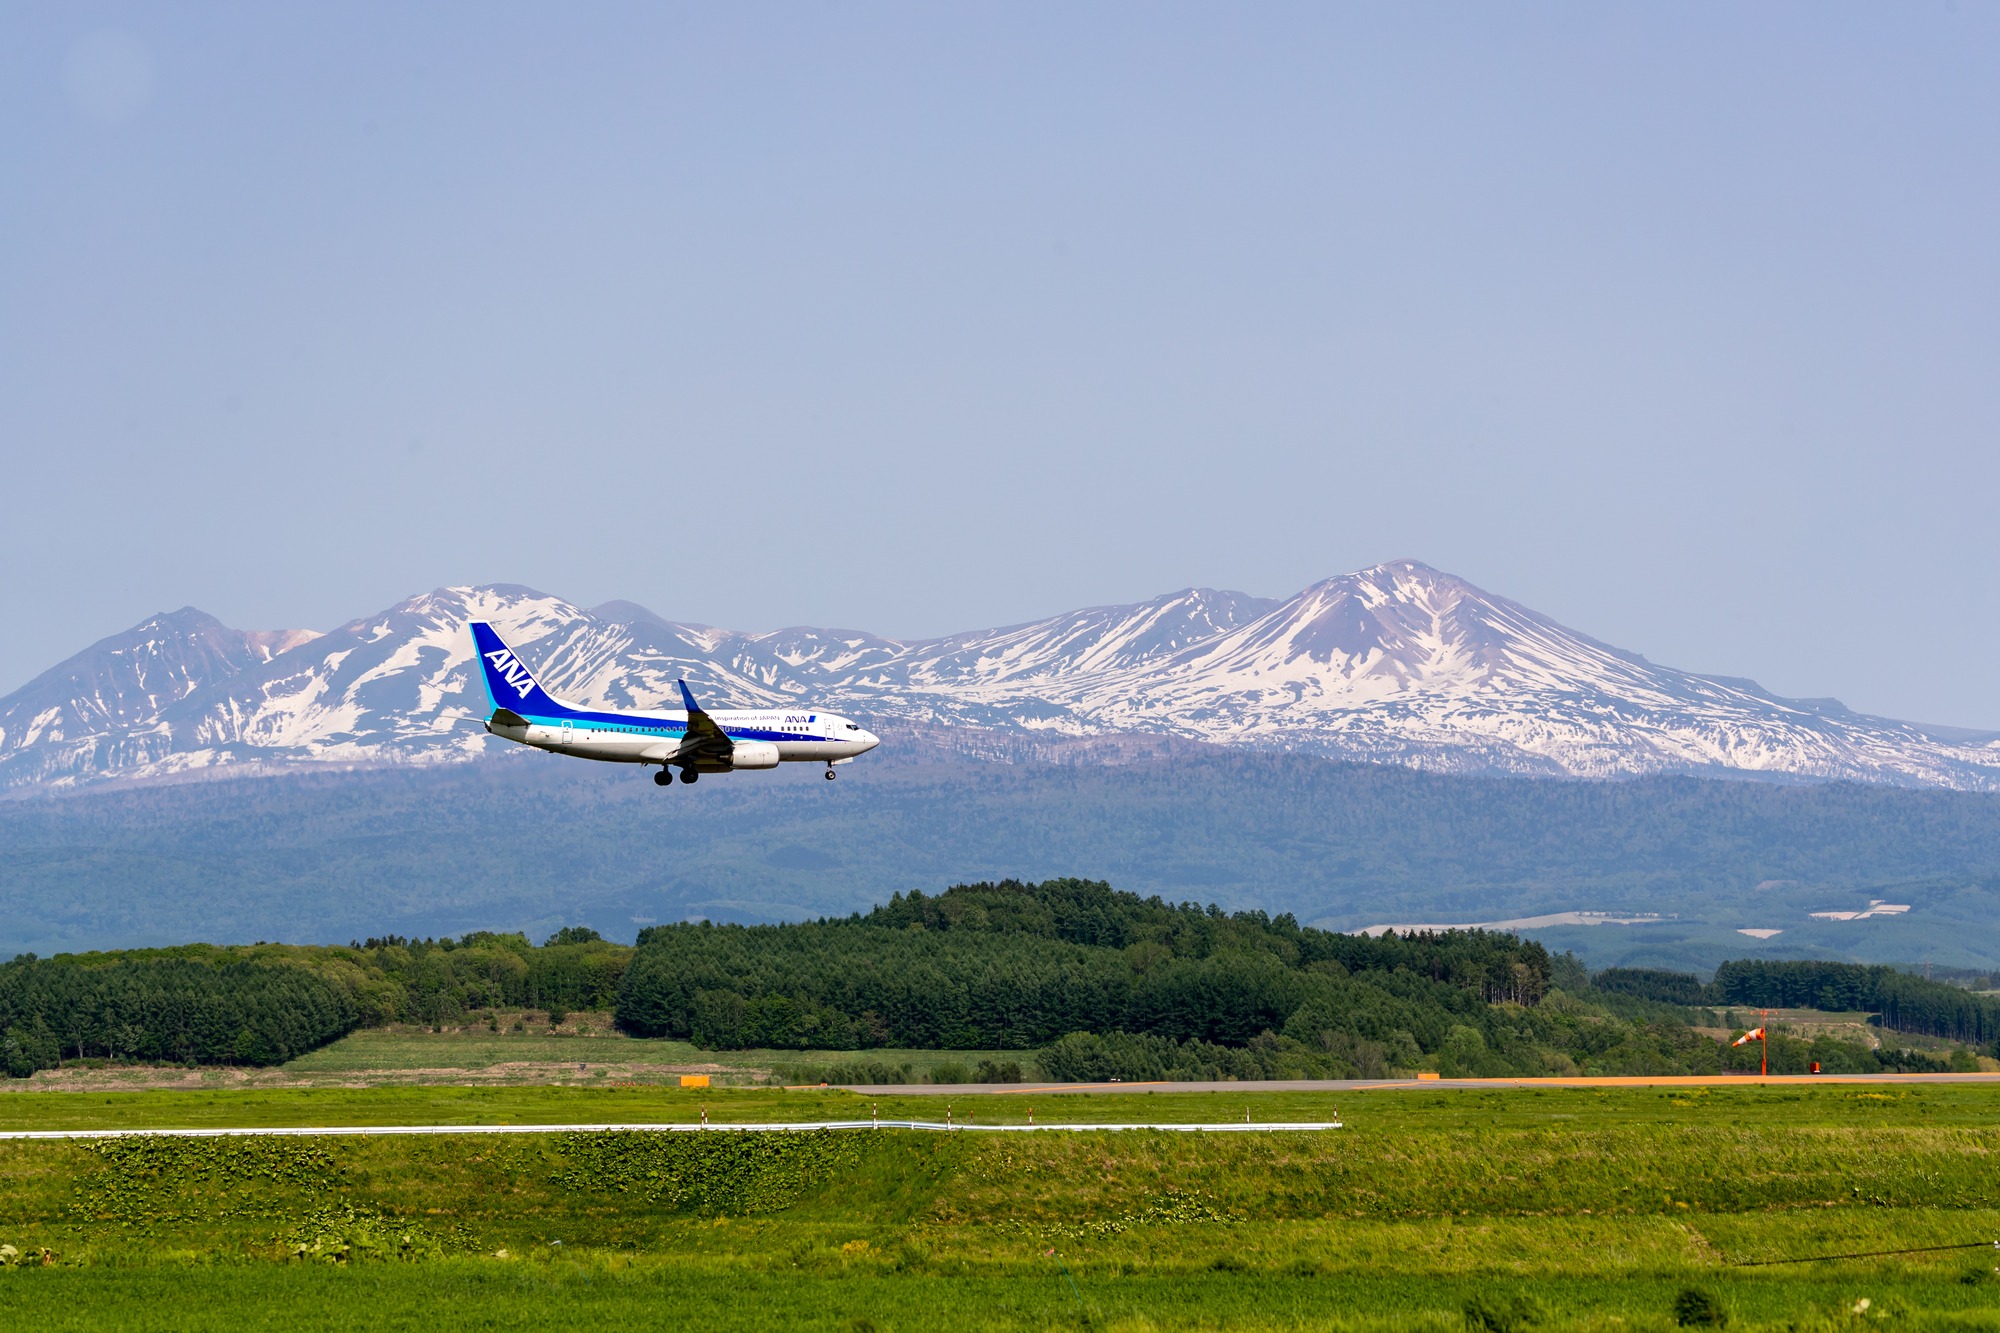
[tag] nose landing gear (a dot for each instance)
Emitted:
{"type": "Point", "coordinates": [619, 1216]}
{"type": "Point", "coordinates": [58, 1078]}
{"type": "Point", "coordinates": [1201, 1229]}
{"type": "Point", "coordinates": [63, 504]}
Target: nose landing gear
{"type": "Point", "coordinates": [830, 774]}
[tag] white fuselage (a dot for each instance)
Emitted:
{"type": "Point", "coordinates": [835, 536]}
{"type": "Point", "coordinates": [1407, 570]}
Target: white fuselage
{"type": "Point", "coordinates": [648, 738]}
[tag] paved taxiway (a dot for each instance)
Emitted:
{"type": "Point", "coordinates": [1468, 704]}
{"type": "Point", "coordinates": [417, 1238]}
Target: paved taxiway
{"type": "Point", "coordinates": [1399, 1084]}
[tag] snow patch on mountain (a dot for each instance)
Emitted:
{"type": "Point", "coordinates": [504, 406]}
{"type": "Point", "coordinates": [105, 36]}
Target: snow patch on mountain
{"type": "Point", "coordinates": [1399, 663]}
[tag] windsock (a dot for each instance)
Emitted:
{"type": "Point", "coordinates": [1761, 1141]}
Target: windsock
{"type": "Point", "coordinates": [1754, 1034]}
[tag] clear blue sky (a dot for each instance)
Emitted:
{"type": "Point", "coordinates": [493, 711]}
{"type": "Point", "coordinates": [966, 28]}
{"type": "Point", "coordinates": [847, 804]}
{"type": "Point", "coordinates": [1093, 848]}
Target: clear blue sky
{"type": "Point", "coordinates": [1679, 322]}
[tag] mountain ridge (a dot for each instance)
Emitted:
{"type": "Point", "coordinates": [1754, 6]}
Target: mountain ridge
{"type": "Point", "coordinates": [1396, 663]}
{"type": "Point", "coordinates": [533, 842]}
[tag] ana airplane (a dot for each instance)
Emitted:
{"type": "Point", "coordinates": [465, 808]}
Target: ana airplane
{"type": "Point", "coordinates": [693, 740]}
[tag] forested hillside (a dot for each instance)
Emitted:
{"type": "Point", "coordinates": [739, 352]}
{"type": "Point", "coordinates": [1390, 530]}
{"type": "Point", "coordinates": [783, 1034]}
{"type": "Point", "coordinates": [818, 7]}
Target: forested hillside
{"type": "Point", "coordinates": [189, 1008]}
{"type": "Point", "coordinates": [1109, 984]}
{"type": "Point", "coordinates": [1904, 1002]}
{"type": "Point", "coordinates": [264, 1004]}
{"type": "Point", "coordinates": [1097, 983]}
{"type": "Point", "coordinates": [541, 842]}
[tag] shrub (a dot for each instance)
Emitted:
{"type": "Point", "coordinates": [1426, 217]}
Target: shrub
{"type": "Point", "coordinates": [846, 1073]}
{"type": "Point", "coordinates": [1493, 1313]}
{"type": "Point", "coordinates": [1695, 1308]}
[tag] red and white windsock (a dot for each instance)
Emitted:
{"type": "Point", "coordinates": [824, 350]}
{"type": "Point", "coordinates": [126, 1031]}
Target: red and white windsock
{"type": "Point", "coordinates": [1754, 1034]}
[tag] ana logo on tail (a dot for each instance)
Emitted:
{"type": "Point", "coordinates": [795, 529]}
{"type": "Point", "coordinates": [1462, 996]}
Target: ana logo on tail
{"type": "Point", "coordinates": [509, 669]}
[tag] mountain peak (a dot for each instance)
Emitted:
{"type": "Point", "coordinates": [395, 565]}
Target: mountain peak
{"type": "Point", "coordinates": [1399, 662]}
{"type": "Point", "coordinates": [621, 612]}
{"type": "Point", "coordinates": [268, 643]}
{"type": "Point", "coordinates": [1413, 568]}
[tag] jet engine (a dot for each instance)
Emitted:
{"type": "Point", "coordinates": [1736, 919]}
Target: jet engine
{"type": "Point", "coordinates": [753, 754]}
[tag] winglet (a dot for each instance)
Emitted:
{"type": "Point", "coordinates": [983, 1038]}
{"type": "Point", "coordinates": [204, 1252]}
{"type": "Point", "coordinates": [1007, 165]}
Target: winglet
{"type": "Point", "coordinates": [687, 697]}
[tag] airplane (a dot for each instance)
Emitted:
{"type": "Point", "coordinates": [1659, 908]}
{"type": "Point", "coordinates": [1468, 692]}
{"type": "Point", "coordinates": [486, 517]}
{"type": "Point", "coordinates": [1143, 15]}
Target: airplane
{"type": "Point", "coordinates": [694, 740]}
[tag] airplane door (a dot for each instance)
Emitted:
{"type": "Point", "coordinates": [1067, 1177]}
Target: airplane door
{"type": "Point", "coordinates": [568, 732]}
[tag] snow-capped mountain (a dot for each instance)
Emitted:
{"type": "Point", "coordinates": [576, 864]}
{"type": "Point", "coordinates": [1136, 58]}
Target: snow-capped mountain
{"type": "Point", "coordinates": [1398, 663]}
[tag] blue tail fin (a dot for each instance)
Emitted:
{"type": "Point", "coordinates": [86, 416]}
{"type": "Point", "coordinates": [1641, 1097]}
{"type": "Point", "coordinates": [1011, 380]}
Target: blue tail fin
{"type": "Point", "coordinates": [509, 683]}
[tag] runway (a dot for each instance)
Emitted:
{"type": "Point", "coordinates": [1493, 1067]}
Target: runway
{"type": "Point", "coordinates": [958, 1124]}
{"type": "Point", "coordinates": [1400, 1084]}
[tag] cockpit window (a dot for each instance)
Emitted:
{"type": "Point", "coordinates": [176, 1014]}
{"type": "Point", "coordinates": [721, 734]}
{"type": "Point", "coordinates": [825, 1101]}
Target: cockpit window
{"type": "Point", "coordinates": [852, 727]}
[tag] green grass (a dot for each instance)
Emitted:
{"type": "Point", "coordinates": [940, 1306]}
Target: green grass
{"type": "Point", "coordinates": [1407, 1110]}
{"type": "Point", "coordinates": [402, 1049]}
{"type": "Point", "coordinates": [475, 1295]}
{"type": "Point", "coordinates": [1583, 1207]}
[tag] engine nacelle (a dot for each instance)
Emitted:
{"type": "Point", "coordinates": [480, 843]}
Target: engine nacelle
{"type": "Point", "coordinates": [753, 754]}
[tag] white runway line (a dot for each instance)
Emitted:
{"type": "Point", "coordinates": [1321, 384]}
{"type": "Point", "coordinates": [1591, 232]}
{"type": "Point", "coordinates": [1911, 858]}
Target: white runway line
{"type": "Point", "coordinates": [308, 1131]}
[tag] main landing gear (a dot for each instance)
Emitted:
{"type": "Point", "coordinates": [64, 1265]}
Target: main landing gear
{"type": "Point", "coordinates": [664, 778]}
{"type": "Point", "coordinates": [689, 775]}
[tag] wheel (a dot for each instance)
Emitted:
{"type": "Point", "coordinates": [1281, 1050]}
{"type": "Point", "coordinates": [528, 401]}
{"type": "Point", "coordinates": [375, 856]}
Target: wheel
{"type": "Point", "coordinates": [665, 777]}
{"type": "Point", "coordinates": [830, 774]}
{"type": "Point", "coordinates": [689, 775]}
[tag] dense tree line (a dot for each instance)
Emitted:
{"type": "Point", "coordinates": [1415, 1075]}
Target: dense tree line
{"type": "Point", "coordinates": [184, 1009]}
{"type": "Point", "coordinates": [1495, 966]}
{"type": "Point", "coordinates": [265, 1004]}
{"type": "Point", "coordinates": [1903, 1002]}
{"type": "Point", "coordinates": [438, 981]}
{"type": "Point", "coordinates": [1101, 983]}
{"type": "Point", "coordinates": [1015, 966]}
{"type": "Point", "coordinates": [1651, 983]}
{"type": "Point", "coordinates": [1107, 984]}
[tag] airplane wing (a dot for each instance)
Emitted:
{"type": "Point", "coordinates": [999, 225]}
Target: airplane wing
{"type": "Point", "coordinates": [705, 741]}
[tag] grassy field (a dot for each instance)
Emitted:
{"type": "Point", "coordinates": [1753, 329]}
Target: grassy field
{"type": "Point", "coordinates": [404, 1049]}
{"type": "Point", "coordinates": [1509, 1209]}
{"type": "Point", "coordinates": [584, 1050]}
{"type": "Point", "coordinates": [522, 1049]}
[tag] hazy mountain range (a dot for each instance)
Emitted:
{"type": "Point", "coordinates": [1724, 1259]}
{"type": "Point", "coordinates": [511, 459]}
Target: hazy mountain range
{"type": "Point", "coordinates": [1689, 864]}
{"type": "Point", "coordinates": [1398, 663]}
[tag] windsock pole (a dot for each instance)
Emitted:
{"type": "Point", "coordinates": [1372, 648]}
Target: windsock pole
{"type": "Point", "coordinates": [1762, 1032]}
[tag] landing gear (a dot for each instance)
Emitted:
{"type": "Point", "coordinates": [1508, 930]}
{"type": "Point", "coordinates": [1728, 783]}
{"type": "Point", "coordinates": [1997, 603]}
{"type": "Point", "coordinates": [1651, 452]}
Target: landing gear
{"type": "Point", "coordinates": [689, 775]}
{"type": "Point", "coordinates": [665, 777]}
{"type": "Point", "coordinates": [830, 774]}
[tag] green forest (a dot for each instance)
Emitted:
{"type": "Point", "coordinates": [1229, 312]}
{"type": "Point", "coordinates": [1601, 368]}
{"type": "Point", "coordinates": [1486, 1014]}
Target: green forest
{"type": "Point", "coordinates": [1904, 1002]}
{"type": "Point", "coordinates": [1105, 984]}
{"type": "Point", "coordinates": [264, 1004]}
{"type": "Point", "coordinates": [1088, 982]}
